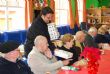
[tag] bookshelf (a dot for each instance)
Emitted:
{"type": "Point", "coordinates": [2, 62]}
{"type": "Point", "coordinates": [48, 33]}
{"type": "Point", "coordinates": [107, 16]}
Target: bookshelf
{"type": "Point", "coordinates": [98, 16]}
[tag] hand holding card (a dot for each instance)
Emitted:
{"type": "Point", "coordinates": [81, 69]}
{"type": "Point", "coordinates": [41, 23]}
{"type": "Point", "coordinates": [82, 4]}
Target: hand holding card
{"type": "Point", "coordinates": [63, 54]}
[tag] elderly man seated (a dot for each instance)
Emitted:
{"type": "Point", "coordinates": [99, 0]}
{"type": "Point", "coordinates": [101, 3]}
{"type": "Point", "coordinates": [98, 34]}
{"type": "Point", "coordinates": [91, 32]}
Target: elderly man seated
{"type": "Point", "coordinates": [40, 59]}
{"type": "Point", "coordinates": [9, 62]}
{"type": "Point", "coordinates": [79, 39]}
{"type": "Point", "coordinates": [90, 36]}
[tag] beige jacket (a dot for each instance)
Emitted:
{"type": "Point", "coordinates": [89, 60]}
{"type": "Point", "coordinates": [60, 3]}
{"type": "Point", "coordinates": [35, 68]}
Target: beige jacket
{"type": "Point", "coordinates": [40, 64]}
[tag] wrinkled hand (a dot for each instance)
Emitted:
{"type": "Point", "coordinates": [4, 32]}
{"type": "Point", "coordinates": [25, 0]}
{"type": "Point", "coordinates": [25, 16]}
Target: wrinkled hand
{"type": "Point", "coordinates": [48, 54]}
{"type": "Point", "coordinates": [66, 62]}
{"type": "Point", "coordinates": [56, 49]}
{"type": "Point", "coordinates": [100, 45]}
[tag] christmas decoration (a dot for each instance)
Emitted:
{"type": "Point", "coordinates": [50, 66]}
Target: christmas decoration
{"type": "Point", "coordinates": [92, 55]}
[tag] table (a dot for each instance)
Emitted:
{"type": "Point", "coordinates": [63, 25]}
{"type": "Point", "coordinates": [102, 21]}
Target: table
{"type": "Point", "coordinates": [104, 66]}
{"type": "Point", "coordinates": [82, 71]}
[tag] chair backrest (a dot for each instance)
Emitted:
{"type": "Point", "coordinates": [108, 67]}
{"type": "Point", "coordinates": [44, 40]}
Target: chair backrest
{"type": "Point", "coordinates": [60, 30]}
{"type": "Point", "coordinates": [23, 36]}
{"type": "Point", "coordinates": [1, 37]}
{"type": "Point", "coordinates": [15, 35]}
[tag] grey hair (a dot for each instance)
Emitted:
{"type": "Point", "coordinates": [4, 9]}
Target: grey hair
{"type": "Point", "coordinates": [79, 33]}
{"type": "Point", "coordinates": [38, 39]}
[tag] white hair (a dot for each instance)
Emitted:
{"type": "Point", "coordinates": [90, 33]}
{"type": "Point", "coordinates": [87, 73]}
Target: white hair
{"type": "Point", "coordinates": [92, 29]}
{"type": "Point", "coordinates": [39, 39]}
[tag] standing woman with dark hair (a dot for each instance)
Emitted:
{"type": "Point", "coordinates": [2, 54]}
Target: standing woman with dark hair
{"type": "Point", "coordinates": [39, 27]}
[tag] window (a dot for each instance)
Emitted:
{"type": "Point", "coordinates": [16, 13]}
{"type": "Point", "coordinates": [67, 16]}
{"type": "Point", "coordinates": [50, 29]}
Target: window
{"type": "Point", "coordinates": [80, 10]}
{"type": "Point", "coordinates": [61, 12]}
{"type": "Point", "coordinates": [12, 15]}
